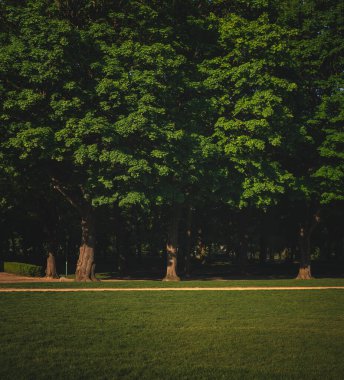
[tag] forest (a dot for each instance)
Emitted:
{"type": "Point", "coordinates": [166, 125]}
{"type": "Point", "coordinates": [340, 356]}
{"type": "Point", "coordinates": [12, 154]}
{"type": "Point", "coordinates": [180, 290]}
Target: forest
{"type": "Point", "coordinates": [165, 136]}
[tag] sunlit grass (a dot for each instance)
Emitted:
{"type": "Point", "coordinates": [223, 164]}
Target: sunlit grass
{"type": "Point", "coordinates": [182, 335]}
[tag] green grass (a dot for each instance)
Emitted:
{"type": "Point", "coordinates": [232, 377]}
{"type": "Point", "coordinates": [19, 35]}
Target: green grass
{"type": "Point", "coordinates": [181, 335]}
{"type": "Point", "coordinates": [182, 284]}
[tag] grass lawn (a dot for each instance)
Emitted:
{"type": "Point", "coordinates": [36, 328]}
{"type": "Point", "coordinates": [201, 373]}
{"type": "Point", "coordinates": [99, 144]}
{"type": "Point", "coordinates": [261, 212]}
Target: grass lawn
{"type": "Point", "coordinates": [181, 284]}
{"type": "Point", "coordinates": [181, 335]}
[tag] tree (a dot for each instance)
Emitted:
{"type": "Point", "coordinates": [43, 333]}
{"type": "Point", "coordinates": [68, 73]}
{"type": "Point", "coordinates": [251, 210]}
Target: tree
{"type": "Point", "coordinates": [149, 94]}
{"type": "Point", "coordinates": [47, 92]}
{"type": "Point", "coordinates": [251, 87]}
{"type": "Point", "coordinates": [318, 161]}
{"type": "Point", "coordinates": [186, 115]}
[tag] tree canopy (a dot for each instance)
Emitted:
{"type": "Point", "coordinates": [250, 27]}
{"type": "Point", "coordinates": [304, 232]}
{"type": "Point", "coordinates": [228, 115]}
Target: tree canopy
{"type": "Point", "coordinates": [154, 121]}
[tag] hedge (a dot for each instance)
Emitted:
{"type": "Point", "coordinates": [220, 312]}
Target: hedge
{"type": "Point", "coordinates": [23, 269]}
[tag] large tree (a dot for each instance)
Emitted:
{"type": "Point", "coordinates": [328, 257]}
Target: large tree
{"type": "Point", "coordinates": [47, 104]}
{"type": "Point", "coordinates": [250, 81]}
{"type": "Point", "coordinates": [165, 111]}
{"type": "Point", "coordinates": [149, 94]}
{"type": "Point", "coordinates": [318, 159]}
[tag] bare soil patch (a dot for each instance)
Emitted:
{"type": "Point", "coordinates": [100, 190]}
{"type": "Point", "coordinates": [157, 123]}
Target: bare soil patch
{"type": "Point", "coordinates": [14, 278]}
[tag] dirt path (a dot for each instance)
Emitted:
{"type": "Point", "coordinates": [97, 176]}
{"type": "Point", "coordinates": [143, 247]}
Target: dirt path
{"type": "Point", "coordinates": [11, 278]}
{"type": "Point", "coordinates": [171, 289]}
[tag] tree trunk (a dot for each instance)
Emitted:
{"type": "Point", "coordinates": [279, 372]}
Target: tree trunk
{"type": "Point", "coordinates": [305, 265]}
{"type": "Point", "coordinates": [304, 273]}
{"type": "Point", "coordinates": [50, 271]}
{"type": "Point", "coordinates": [305, 249]}
{"type": "Point", "coordinates": [172, 246]}
{"type": "Point", "coordinates": [85, 268]}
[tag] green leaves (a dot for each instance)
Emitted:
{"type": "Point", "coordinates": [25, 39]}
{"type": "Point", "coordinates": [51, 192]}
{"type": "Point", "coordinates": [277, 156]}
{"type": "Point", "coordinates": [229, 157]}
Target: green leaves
{"type": "Point", "coordinates": [331, 168]}
{"type": "Point", "coordinates": [251, 94]}
{"type": "Point", "coordinates": [30, 140]}
{"type": "Point", "coordinates": [243, 102]}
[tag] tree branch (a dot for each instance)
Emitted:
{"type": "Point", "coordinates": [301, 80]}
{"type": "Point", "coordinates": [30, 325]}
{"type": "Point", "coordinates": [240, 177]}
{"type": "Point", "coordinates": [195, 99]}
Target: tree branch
{"type": "Point", "coordinates": [57, 186]}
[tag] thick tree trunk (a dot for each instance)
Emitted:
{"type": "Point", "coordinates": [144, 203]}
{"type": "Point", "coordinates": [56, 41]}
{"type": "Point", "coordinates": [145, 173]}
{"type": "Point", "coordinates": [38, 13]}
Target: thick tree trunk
{"type": "Point", "coordinates": [172, 246]}
{"type": "Point", "coordinates": [305, 265]}
{"type": "Point", "coordinates": [85, 268]}
{"type": "Point", "coordinates": [50, 271]}
{"type": "Point", "coordinates": [304, 273]}
{"type": "Point", "coordinates": [305, 249]}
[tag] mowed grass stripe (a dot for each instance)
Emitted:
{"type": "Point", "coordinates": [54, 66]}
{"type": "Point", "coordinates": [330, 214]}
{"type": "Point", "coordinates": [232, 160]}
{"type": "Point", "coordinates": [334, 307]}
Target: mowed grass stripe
{"type": "Point", "coordinates": [172, 335]}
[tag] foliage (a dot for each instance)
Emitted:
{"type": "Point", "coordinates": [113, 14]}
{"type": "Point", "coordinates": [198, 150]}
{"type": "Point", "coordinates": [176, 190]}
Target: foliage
{"type": "Point", "coordinates": [231, 110]}
{"type": "Point", "coordinates": [251, 90]}
{"type": "Point", "coordinates": [317, 52]}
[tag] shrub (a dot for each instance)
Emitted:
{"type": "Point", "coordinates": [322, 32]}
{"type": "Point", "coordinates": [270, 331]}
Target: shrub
{"type": "Point", "coordinates": [23, 269]}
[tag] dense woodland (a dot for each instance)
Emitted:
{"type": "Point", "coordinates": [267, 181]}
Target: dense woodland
{"type": "Point", "coordinates": [135, 133]}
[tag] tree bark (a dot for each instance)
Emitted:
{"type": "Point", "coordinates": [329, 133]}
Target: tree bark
{"type": "Point", "coordinates": [85, 268]}
{"type": "Point", "coordinates": [305, 267]}
{"type": "Point", "coordinates": [50, 271]}
{"type": "Point", "coordinates": [172, 246]}
{"type": "Point", "coordinates": [305, 234]}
